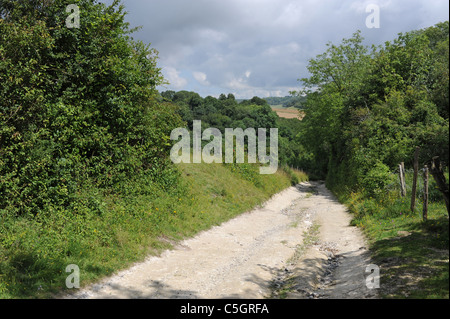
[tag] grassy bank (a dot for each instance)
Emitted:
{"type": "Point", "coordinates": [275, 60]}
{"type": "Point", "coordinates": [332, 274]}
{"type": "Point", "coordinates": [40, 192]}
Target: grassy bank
{"type": "Point", "coordinates": [118, 230]}
{"type": "Point", "coordinates": [412, 253]}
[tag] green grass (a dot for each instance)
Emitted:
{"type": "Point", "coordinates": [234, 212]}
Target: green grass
{"type": "Point", "coordinates": [310, 237]}
{"type": "Point", "coordinates": [412, 253]}
{"type": "Point", "coordinates": [118, 230]}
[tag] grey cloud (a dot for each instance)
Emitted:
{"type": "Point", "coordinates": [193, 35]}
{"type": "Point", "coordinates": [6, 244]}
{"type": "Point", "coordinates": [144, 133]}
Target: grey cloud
{"type": "Point", "coordinates": [209, 45]}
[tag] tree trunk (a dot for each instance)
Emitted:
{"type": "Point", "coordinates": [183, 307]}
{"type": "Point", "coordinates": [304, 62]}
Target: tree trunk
{"type": "Point", "coordinates": [439, 177]}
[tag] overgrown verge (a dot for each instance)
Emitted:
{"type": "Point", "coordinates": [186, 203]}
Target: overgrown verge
{"type": "Point", "coordinates": [413, 254]}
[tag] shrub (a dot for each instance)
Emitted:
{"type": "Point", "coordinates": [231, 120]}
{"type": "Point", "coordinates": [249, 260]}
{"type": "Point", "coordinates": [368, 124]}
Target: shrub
{"type": "Point", "coordinates": [376, 180]}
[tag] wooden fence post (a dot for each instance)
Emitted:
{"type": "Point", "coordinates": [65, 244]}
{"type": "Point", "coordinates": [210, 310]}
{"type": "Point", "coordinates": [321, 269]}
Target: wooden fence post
{"type": "Point", "coordinates": [404, 177]}
{"type": "Point", "coordinates": [401, 168]}
{"type": "Point", "coordinates": [425, 193]}
{"type": "Point", "coordinates": [414, 185]}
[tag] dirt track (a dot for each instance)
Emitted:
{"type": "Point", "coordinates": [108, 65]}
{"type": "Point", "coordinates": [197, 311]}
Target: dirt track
{"type": "Point", "coordinates": [257, 255]}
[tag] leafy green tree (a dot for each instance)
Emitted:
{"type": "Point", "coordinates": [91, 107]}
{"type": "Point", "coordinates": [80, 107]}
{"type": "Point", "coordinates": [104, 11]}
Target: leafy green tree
{"type": "Point", "coordinates": [367, 109]}
{"type": "Point", "coordinates": [77, 104]}
{"type": "Point", "coordinates": [439, 77]}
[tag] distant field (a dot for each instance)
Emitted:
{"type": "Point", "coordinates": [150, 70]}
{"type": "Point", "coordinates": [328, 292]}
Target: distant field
{"type": "Point", "coordinates": [288, 113]}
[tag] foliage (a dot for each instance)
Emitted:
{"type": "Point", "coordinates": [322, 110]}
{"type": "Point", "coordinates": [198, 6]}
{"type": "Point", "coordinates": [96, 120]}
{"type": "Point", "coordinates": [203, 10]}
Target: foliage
{"type": "Point", "coordinates": [81, 135]}
{"type": "Point", "coordinates": [287, 101]}
{"type": "Point", "coordinates": [368, 108]}
{"type": "Point", "coordinates": [366, 111]}
{"type": "Point", "coordinates": [377, 179]}
{"type": "Point", "coordinates": [223, 112]}
{"type": "Point", "coordinates": [76, 104]}
{"type": "Point", "coordinates": [401, 242]}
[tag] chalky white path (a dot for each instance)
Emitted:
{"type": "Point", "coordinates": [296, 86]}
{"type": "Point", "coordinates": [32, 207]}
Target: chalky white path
{"type": "Point", "coordinates": [237, 259]}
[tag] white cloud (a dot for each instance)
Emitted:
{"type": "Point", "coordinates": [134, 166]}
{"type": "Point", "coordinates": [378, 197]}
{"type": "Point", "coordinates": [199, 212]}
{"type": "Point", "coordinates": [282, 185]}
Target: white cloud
{"type": "Point", "coordinates": [173, 77]}
{"type": "Point", "coordinates": [237, 84]}
{"type": "Point", "coordinates": [201, 78]}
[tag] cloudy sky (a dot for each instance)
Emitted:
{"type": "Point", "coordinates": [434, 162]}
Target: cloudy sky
{"type": "Point", "coordinates": [262, 47]}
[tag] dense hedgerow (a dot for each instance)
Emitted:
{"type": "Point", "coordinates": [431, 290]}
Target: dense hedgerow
{"type": "Point", "coordinates": [76, 104]}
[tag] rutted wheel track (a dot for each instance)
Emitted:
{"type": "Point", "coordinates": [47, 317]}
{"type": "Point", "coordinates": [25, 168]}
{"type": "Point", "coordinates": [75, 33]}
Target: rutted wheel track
{"type": "Point", "coordinates": [243, 257]}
